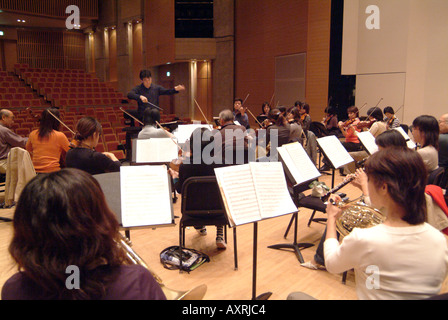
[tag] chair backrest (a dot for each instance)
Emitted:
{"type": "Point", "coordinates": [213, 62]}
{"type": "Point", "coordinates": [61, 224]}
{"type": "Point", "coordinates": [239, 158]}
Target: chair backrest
{"type": "Point", "coordinates": [405, 128]}
{"type": "Point", "coordinates": [19, 172]}
{"type": "Point", "coordinates": [318, 129]}
{"type": "Point", "coordinates": [436, 177]}
{"type": "Point", "coordinates": [201, 195]}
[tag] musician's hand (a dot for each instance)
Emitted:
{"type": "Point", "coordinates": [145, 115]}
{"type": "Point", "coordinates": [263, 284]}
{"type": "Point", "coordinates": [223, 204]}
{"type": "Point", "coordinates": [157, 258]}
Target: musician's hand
{"type": "Point", "coordinates": [361, 182]}
{"type": "Point", "coordinates": [333, 211]}
{"type": "Point", "coordinates": [174, 174]}
{"type": "Point", "coordinates": [143, 99]}
{"type": "Point", "coordinates": [111, 156]}
{"type": "Point", "coordinates": [180, 87]}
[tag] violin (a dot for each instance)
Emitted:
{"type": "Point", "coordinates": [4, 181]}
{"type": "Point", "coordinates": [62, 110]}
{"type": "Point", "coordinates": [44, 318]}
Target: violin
{"type": "Point", "coordinates": [348, 123]}
{"type": "Point", "coordinates": [365, 124]}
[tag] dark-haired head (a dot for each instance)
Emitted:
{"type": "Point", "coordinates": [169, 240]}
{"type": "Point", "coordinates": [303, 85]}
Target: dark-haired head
{"type": "Point", "coordinates": [354, 110]}
{"type": "Point", "coordinates": [151, 116]}
{"type": "Point", "coordinates": [62, 219]}
{"type": "Point", "coordinates": [145, 74]}
{"type": "Point", "coordinates": [49, 122]}
{"type": "Point", "coordinates": [390, 138]}
{"type": "Point", "coordinates": [277, 117]}
{"type": "Point", "coordinates": [264, 106]}
{"type": "Point", "coordinates": [86, 127]}
{"type": "Point", "coordinates": [330, 110]}
{"type": "Point", "coordinates": [429, 130]}
{"type": "Point", "coordinates": [389, 109]}
{"type": "Point", "coordinates": [375, 113]}
{"type": "Point", "coordinates": [403, 172]}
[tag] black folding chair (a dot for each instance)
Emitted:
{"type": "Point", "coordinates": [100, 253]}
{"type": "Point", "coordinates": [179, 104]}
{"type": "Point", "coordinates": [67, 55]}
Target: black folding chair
{"type": "Point", "coordinates": [202, 206]}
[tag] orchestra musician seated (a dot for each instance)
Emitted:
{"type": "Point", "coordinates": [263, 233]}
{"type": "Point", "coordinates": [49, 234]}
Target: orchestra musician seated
{"type": "Point", "coordinates": [84, 156]}
{"type": "Point", "coordinates": [425, 130]}
{"type": "Point", "coordinates": [391, 120]}
{"type": "Point", "coordinates": [47, 145]}
{"type": "Point", "coordinates": [239, 113]}
{"type": "Point", "coordinates": [231, 140]}
{"type": "Point", "coordinates": [198, 163]}
{"type": "Point", "coordinates": [391, 138]}
{"type": "Point", "coordinates": [65, 244]}
{"type": "Point", "coordinates": [265, 108]}
{"type": "Point", "coordinates": [151, 117]}
{"type": "Point", "coordinates": [296, 131]}
{"type": "Point", "coordinates": [8, 138]}
{"type": "Point", "coordinates": [402, 258]}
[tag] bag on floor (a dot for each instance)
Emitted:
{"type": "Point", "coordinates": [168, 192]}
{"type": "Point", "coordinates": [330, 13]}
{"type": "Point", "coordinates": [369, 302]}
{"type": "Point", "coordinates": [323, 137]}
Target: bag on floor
{"type": "Point", "coordinates": [191, 259]}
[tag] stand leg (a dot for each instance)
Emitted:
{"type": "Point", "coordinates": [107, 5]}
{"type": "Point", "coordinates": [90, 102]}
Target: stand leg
{"type": "Point", "coordinates": [5, 219]}
{"type": "Point", "coordinates": [294, 246]}
{"type": "Point", "coordinates": [266, 295]}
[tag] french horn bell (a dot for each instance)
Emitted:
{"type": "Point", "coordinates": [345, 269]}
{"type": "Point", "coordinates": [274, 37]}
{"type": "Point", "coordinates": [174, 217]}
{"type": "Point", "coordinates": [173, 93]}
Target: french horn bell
{"type": "Point", "coordinates": [357, 214]}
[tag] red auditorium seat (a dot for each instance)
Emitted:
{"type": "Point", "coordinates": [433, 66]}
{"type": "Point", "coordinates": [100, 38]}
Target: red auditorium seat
{"type": "Point", "coordinates": [111, 145]}
{"type": "Point", "coordinates": [109, 137]}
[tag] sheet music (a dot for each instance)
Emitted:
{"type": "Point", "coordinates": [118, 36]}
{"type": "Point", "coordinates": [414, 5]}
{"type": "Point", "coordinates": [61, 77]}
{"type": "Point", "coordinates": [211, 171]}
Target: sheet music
{"type": "Point", "coordinates": [145, 196]}
{"type": "Point", "coordinates": [271, 189]}
{"type": "Point", "coordinates": [237, 184]}
{"type": "Point", "coordinates": [335, 151]}
{"type": "Point", "coordinates": [298, 162]}
{"type": "Point", "coordinates": [409, 142]}
{"type": "Point", "coordinates": [155, 150]}
{"type": "Point", "coordinates": [184, 131]}
{"type": "Point", "coordinates": [368, 141]}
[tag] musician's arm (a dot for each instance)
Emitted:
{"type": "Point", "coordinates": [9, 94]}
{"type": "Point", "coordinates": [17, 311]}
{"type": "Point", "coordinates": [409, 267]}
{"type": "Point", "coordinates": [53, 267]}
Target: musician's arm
{"type": "Point", "coordinates": [134, 94]}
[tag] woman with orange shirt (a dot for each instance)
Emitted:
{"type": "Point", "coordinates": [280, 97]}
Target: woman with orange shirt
{"type": "Point", "coordinates": [46, 145]}
{"type": "Point", "coordinates": [349, 129]}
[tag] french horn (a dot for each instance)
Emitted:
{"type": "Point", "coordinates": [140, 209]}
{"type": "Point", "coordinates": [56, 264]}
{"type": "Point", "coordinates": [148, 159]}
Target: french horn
{"type": "Point", "coordinates": [196, 293]}
{"type": "Point", "coordinates": [357, 214]}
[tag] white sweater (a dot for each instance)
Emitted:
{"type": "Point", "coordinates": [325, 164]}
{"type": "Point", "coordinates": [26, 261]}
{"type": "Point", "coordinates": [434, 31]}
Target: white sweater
{"type": "Point", "coordinates": [391, 263]}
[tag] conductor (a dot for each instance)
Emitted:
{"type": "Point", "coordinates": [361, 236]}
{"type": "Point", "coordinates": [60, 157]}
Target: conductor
{"type": "Point", "coordinates": [147, 93]}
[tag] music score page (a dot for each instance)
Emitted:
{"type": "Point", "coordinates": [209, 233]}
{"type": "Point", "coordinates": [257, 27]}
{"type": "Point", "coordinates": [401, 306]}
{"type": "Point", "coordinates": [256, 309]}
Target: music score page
{"type": "Point", "coordinates": [254, 191]}
{"type": "Point", "coordinates": [298, 162]}
{"type": "Point", "coordinates": [145, 196]}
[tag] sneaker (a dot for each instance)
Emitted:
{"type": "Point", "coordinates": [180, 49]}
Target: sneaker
{"type": "Point", "coordinates": [202, 231]}
{"type": "Point", "coordinates": [220, 243]}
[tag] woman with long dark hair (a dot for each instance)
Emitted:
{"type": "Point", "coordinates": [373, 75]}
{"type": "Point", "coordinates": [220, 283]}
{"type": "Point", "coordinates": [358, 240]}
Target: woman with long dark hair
{"type": "Point", "coordinates": [63, 228]}
{"type": "Point", "coordinates": [47, 145]}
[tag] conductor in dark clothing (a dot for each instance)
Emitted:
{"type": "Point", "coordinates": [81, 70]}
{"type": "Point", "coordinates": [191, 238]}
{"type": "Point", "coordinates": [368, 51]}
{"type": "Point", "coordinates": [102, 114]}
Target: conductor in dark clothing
{"type": "Point", "coordinates": [147, 94]}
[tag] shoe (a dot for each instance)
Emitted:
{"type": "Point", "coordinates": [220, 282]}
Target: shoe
{"type": "Point", "coordinates": [202, 231]}
{"type": "Point", "coordinates": [325, 167]}
{"type": "Point", "coordinates": [312, 266]}
{"type": "Point", "coordinates": [220, 243]}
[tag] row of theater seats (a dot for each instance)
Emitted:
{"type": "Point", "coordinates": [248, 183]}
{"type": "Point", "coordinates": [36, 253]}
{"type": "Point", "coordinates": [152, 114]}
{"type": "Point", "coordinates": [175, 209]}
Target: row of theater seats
{"type": "Point", "coordinates": [14, 93]}
{"type": "Point", "coordinates": [69, 88]}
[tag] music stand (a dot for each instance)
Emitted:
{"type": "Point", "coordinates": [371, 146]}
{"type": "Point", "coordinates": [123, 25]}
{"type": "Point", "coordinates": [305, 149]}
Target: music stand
{"type": "Point", "coordinates": [248, 177]}
{"type": "Point", "coordinates": [335, 152]}
{"type": "Point", "coordinates": [111, 185]}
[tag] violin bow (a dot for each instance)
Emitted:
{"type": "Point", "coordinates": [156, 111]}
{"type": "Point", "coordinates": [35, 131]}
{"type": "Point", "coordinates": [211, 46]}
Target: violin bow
{"type": "Point", "coordinates": [60, 121]}
{"type": "Point", "coordinates": [131, 116]}
{"type": "Point", "coordinates": [205, 118]}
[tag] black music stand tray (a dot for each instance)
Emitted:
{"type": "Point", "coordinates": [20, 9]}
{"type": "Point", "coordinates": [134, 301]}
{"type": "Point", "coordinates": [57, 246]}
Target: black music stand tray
{"type": "Point", "coordinates": [294, 246]}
